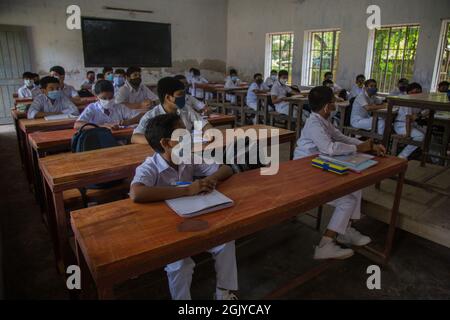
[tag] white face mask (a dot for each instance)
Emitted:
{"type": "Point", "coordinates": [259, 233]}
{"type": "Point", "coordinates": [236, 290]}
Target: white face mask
{"type": "Point", "coordinates": [274, 77]}
{"type": "Point", "coordinates": [29, 83]}
{"type": "Point", "coordinates": [106, 104]}
{"type": "Point", "coordinates": [283, 81]}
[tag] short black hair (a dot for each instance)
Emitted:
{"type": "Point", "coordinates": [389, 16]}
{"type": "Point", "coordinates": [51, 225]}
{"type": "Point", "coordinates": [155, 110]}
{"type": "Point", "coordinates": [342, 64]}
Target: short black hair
{"type": "Point", "coordinates": [195, 71]}
{"type": "Point", "coordinates": [257, 75]}
{"type": "Point", "coordinates": [180, 77]}
{"type": "Point", "coordinates": [161, 127]}
{"type": "Point", "coordinates": [46, 80]}
{"type": "Point", "coordinates": [403, 81]}
{"type": "Point", "coordinates": [283, 73]}
{"type": "Point", "coordinates": [132, 70]}
{"type": "Point", "coordinates": [413, 86]}
{"type": "Point", "coordinates": [273, 71]}
{"type": "Point", "coordinates": [100, 76]}
{"type": "Point", "coordinates": [107, 69]}
{"type": "Point", "coordinates": [27, 75]}
{"type": "Point", "coordinates": [233, 71]}
{"type": "Point", "coordinates": [328, 73]}
{"type": "Point", "coordinates": [119, 71]}
{"type": "Point", "coordinates": [319, 97]}
{"type": "Point", "coordinates": [90, 72]}
{"type": "Point", "coordinates": [369, 81]}
{"type": "Point", "coordinates": [168, 86]}
{"type": "Point", "coordinates": [359, 76]}
{"type": "Point", "coordinates": [103, 86]}
{"type": "Point", "coordinates": [35, 75]}
{"type": "Point", "coordinates": [443, 83]}
{"type": "Point", "coordinates": [58, 69]}
{"type": "Point", "coordinates": [327, 81]}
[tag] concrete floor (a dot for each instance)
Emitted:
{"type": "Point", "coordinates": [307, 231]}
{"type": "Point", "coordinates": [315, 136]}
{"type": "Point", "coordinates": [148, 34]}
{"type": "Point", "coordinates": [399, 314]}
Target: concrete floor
{"type": "Point", "coordinates": [418, 269]}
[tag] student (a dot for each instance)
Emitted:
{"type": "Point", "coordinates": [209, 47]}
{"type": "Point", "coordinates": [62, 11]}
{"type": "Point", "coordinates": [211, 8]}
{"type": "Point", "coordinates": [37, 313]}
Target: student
{"type": "Point", "coordinates": [105, 112]}
{"type": "Point", "coordinates": [154, 181]}
{"type": "Point", "coordinates": [443, 86]}
{"type": "Point", "coordinates": [89, 81]}
{"type": "Point", "coordinates": [119, 79]}
{"type": "Point", "coordinates": [108, 72]}
{"type": "Point", "coordinates": [319, 136]}
{"type": "Point", "coordinates": [172, 95]}
{"type": "Point", "coordinates": [51, 101]}
{"type": "Point", "coordinates": [401, 87]}
{"type": "Point", "coordinates": [329, 76]}
{"type": "Point", "coordinates": [232, 82]}
{"type": "Point", "coordinates": [59, 73]}
{"type": "Point", "coordinates": [196, 78]}
{"type": "Point", "coordinates": [405, 123]}
{"type": "Point", "coordinates": [258, 86]}
{"type": "Point", "coordinates": [100, 76]}
{"type": "Point", "coordinates": [191, 101]}
{"type": "Point", "coordinates": [330, 84]}
{"type": "Point", "coordinates": [29, 90]}
{"type": "Point", "coordinates": [280, 91]}
{"type": "Point", "coordinates": [36, 79]}
{"type": "Point", "coordinates": [364, 103]}
{"type": "Point", "coordinates": [134, 94]}
{"type": "Point", "coordinates": [271, 79]}
{"type": "Point", "coordinates": [358, 87]}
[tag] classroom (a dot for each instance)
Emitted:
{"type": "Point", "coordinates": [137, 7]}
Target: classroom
{"type": "Point", "coordinates": [225, 150]}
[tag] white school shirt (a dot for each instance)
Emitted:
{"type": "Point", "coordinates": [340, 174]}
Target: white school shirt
{"type": "Point", "coordinates": [42, 103]}
{"type": "Point", "coordinates": [355, 91]}
{"type": "Point", "coordinates": [194, 103]}
{"type": "Point", "coordinates": [251, 95]}
{"type": "Point", "coordinates": [155, 171]}
{"type": "Point", "coordinates": [280, 91]}
{"type": "Point", "coordinates": [87, 85]}
{"type": "Point", "coordinates": [359, 110]}
{"type": "Point", "coordinates": [187, 115]}
{"type": "Point", "coordinates": [25, 92]}
{"type": "Point", "coordinates": [94, 113]}
{"type": "Point", "coordinates": [269, 82]}
{"type": "Point", "coordinates": [198, 93]}
{"type": "Point", "coordinates": [127, 94]}
{"type": "Point", "coordinates": [320, 136]}
{"type": "Point", "coordinates": [230, 84]}
{"type": "Point", "coordinates": [69, 91]}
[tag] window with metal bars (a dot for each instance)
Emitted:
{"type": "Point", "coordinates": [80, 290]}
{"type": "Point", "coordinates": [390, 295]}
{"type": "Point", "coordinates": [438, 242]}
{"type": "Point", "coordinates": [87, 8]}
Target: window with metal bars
{"type": "Point", "coordinates": [281, 49]}
{"type": "Point", "coordinates": [393, 56]}
{"type": "Point", "coordinates": [443, 73]}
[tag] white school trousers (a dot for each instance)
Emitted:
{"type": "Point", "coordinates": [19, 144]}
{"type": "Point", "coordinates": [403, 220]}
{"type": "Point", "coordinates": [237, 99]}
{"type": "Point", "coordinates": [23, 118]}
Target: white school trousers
{"type": "Point", "coordinates": [179, 273]}
{"type": "Point", "coordinates": [283, 107]}
{"type": "Point", "coordinates": [416, 134]}
{"type": "Point", "coordinates": [366, 124]}
{"type": "Point", "coordinates": [346, 208]}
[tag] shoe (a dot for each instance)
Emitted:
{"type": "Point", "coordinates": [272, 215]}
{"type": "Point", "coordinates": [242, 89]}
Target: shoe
{"type": "Point", "coordinates": [224, 295]}
{"type": "Point", "coordinates": [331, 250]}
{"type": "Point", "coordinates": [353, 237]}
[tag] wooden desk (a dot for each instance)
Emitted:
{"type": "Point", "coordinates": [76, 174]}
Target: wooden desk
{"type": "Point", "coordinates": [122, 240]}
{"type": "Point", "coordinates": [262, 107]}
{"type": "Point", "coordinates": [442, 119]}
{"type": "Point", "coordinates": [75, 170]}
{"type": "Point", "coordinates": [299, 101]}
{"type": "Point", "coordinates": [218, 119]}
{"type": "Point", "coordinates": [431, 101]}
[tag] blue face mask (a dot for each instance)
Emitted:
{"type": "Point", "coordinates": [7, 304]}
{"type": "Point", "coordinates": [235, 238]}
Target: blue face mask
{"type": "Point", "coordinates": [110, 77]}
{"type": "Point", "coordinates": [234, 78]}
{"type": "Point", "coordinates": [180, 102]}
{"type": "Point", "coordinates": [119, 81]}
{"type": "Point", "coordinates": [372, 91]}
{"type": "Point", "coordinates": [54, 94]}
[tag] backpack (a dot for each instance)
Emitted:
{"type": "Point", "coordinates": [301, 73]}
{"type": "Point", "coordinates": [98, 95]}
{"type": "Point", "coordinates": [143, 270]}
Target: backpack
{"type": "Point", "coordinates": [93, 139]}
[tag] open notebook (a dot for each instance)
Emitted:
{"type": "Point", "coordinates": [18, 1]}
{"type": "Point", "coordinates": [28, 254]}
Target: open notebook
{"type": "Point", "coordinates": [195, 205]}
{"type": "Point", "coordinates": [60, 117]}
{"type": "Point", "coordinates": [356, 162]}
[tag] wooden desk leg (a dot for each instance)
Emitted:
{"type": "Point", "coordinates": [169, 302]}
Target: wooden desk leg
{"type": "Point", "coordinates": [62, 230]}
{"type": "Point", "coordinates": [293, 143]}
{"type": "Point", "coordinates": [388, 125]}
{"type": "Point", "coordinates": [37, 179]}
{"type": "Point", "coordinates": [427, 140]}
{"type": "Point", "coordinates": [343, 111]}
{"type": "Point", "coordinates": [19, 140]}
{"type": "Point", "coordinates": [242, 112]}
{"type": "Point", "coordinates": [299, 123]}
{"type": "Point", "coordinates": [266, 111]}
{"type": "Point", "coordinates": [88, 289]}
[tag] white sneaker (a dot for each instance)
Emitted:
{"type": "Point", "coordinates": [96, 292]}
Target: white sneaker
{"type": "Point", "coordinates": [330, 250]}
{"type": "Point", "coordinates": [224, 295]}
{"type": "Point", "coordinates": [353, 237]}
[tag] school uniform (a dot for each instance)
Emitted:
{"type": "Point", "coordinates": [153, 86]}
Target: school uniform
{"type": "Point", "coordinates": [128, 94]}
{"type": "Point", "coordinates": [417, 132]}
{"type": "Point", "coordinates": [194, 103]}
{"type": "Point", "coordinates": [29, 93]}
{"type": "Point", "coordinates": [42, 103]}
{"type": "Point", "coordinates": [281, 91]}
{"type": "Point", "coordinates": [319, 136]}
{"type": "Point", "coordinates": [230, 84]}
{"type": "Point", "coordinates": [197, 92]}
{"type": "Point", "coordinates": [187, 115]}
{"type": "Point", "coordinates": [155, 171]}
{"type": "Point", "coordinates": [95, 113]}
{"type": "Point", "coordinates": [355, 91]}
{"type": "Point", "coordinates": [269, 82]}
{"type": "Point", "coordinates": [69, 91]}
{"type": "Point", "coordinates": [252, 99]}
{"type": "Point", "coordinates": [360, 117]}
{"type": "Point", "coordinates": [87, 85]}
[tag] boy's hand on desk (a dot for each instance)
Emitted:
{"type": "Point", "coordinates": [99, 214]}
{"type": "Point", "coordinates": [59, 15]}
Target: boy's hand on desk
{"type": "Point", "coordinates": [364, 147]}
{"type": "Point", "coordinates": [379, 149]}
{"type": "Point", "coordinates": [200, 186]}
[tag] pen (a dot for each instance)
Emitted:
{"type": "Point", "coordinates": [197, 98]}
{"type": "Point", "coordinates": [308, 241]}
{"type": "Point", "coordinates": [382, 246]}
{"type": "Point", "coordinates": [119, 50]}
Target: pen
{"type": "Point", "coordinates": [182, 183]}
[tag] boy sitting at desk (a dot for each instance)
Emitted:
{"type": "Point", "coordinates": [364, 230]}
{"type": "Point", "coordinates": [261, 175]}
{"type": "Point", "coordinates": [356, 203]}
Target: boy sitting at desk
{"type": "Point", "coordinates": [156, 179]}
{"type": "Point", "coordinates": [29, 90]}
{"type": "Point", "coordinates": [172, 95]}
{"type": "Point", "coordinates": [405, 122]}
{"type": "Point", "coordinates": [271, 79]}
{"type": "Point", "coordinates": [320, 136]}
{"type": "Point", "coordinates": [192, 101]}
{"type": "Point", "coordinates": [59, 73]}
{"type": "Point", "coordinates": [232, 82]}
{"type": "Point", "coordinates": [51, 101]}
{"type": "Point", "coordinates": [280, 91]}
{"type": "Point", "coordinates": [195, 77]}
{"type": "Point", "coordinates": [105, 112]}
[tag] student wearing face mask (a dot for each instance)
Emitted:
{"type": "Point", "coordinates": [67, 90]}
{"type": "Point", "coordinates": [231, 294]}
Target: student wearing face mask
{"type": "Point", "coordinates": [108, 72]}
{"type": "Point", "coordinates": [89, 81]}
{"type": "Point", "coordinates": [329, 76]}
{"type": "Point", "coordinates": [271, 79]}
{"type": "Point", "coordinates": [232, 82]}
{"type": "Point", "coordinates": [36, 79]}
{"type": "Point", "coordinates": [51, 101]}
{"type": "Point", "coordinates": [258, 86]}
{"type": "Point", "coordinates": [59, 73]}
{"type": "Point", "coordinates": [134, 94]}
{"type": "Point", "coordinates": [319, 136]}
{"type": "Point", "coordinates": [29, 90]}
{"type": "Point", "coordinates": [172, 95]}
{"type": "Point", "coordinates": [194, 79]}
{"type": "Point", "coordinates": [105, 112]}
{"type": "Point", "coordinates": [358, 87]}
{"type": "Point", "coordinates": [191, 101]}
{"type": "Point", "coordinates": [280, 91]}
{"type": "Point", "coordinates": [402, 85]}
{"type": "Point", "coordinates": [118, 80]}
{"type": "Point", "coordinates": [364, 103]}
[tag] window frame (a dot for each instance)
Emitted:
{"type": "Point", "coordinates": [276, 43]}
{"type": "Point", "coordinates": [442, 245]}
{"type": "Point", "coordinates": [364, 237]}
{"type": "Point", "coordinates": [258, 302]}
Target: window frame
{"type": "Point", "coordinates": [440, 54]}
{"type": "Point", "coordinates": [268, 53]}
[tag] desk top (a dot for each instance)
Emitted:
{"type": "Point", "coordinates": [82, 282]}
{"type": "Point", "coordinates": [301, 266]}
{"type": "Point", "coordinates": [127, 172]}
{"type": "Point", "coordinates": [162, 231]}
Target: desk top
{"type": "Point", "coordinates": [218, 118]}
{"type": "Point", "coordinates": [123, 239]}
{"type": "Point", "coordinates": [30, 125]}
{"type": "Point", "coordinates": [65, 170]}
{"type": "Point", "coordinates": [426, 99]}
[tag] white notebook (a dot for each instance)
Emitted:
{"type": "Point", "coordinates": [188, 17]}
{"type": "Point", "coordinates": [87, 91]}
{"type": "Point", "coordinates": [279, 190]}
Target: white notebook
{"type": "Point", "coordinates": [59, 117]}
{"type": "Point", "coordinates": [195, 205]}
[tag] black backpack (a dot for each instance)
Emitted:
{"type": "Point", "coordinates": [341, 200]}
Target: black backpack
{"type": "Point", "coordinates": [93, 139]}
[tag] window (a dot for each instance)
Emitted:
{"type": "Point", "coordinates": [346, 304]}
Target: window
{"type": "Point", "coordinates": [279, 51]}
{"type": "Point", "coordinates": [393, 55]}
{"type": "Point", "coordinates": [442, 69]}
{"type": "Point", "coordinates": [321, 55]}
